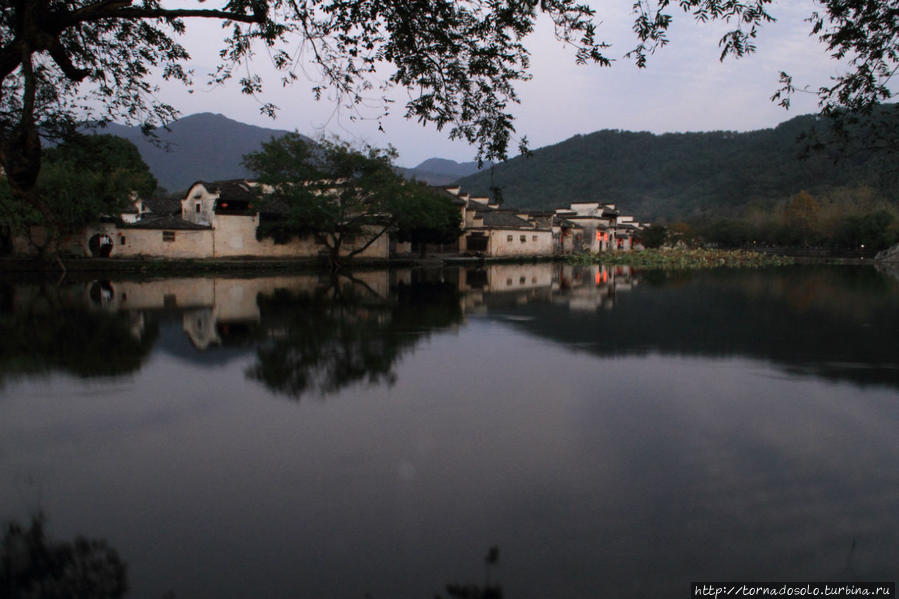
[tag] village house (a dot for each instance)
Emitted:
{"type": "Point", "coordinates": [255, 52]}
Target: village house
{"type": "Point", "coordinates": [213, 220]}
{"type": "Point", "coordinates": [490, 231]}
{"type": "Point", "coordinates": [220, 220]}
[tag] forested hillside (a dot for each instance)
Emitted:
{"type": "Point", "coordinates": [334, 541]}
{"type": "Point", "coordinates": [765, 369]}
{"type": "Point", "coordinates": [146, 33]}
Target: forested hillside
{"type": "Point", "coordinates": [690, 175]}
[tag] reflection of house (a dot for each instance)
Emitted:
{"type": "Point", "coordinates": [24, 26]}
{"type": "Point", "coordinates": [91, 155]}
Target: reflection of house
{"type": "Point", "coordinates": [588, 288]}
{"type": "Point", "coordinates": [581, 288]}
{"type": "Point", "coordinates": [213, 310]}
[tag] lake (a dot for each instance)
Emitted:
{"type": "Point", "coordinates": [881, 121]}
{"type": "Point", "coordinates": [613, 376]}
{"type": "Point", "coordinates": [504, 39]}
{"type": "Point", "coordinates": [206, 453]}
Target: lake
{"type": "Point", "coordinates": [597, 432]}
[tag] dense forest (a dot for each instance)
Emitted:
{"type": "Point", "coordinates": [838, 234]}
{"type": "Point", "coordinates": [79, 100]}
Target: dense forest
{"type": "Point", "coordinates": [688, 176]}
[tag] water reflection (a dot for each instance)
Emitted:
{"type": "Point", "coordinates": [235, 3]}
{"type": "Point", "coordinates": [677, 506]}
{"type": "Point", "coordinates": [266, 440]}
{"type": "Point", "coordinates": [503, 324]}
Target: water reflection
{"type": "Point", "coordinates": [327, 338]}
{"type": "Point", "coordinates": [33, 566]}
{"type": "Point", "coordinates": [318, 333]}
{"type": "Point", "coordinates": [618, 433]}
{"type": "Point", "coordinates": [44, 328]}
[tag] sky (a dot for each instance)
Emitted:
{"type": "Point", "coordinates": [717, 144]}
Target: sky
{"type": "Point", "coordinates": [684, 88]}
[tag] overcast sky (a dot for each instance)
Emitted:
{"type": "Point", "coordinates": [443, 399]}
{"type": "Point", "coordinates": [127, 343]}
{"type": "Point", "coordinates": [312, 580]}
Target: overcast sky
{"type": "Point", "coordinates": [684, 88]}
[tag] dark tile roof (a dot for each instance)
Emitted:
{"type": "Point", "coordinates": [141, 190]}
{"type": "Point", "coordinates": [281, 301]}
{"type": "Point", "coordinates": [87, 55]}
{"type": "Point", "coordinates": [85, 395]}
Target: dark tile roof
{"type": "Point", "coordinates": [234, 190]}
{"type": "Point", "coordinates": [563, 222]}
{"type": "Point", "coordinates": [498, 218]}
{"type": "Point", "coordinates": [610, 212]}
{"type": "Point", "coordinates": [168, 222]}
{"type": "Point", "coordinates": [162, 206]}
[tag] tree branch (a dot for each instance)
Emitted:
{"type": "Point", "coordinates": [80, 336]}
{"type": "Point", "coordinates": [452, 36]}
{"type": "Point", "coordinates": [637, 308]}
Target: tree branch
{"type": "Point", "coordinates": [116, 10]}
{"type": "Point", "coordinates": [368, 243]}
{"type": "Point", "coordinates": [58, 53]}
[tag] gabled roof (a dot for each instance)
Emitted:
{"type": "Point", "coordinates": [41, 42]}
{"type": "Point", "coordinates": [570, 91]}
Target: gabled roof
{"type": "Point", "coordinates": [235, 190]}
{"type": "Point", "coordinates": [498, 218]}
{"type": "Point", "coordinates": [162, 206]}
{"type": "Point", "coordinates": [564, 223]}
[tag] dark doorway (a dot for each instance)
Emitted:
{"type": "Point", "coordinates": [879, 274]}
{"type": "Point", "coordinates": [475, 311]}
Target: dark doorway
{"type": "Point", "coordinates": [100, 245]}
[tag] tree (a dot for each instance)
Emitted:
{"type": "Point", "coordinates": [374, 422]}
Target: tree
{"type": "Point", "coordinates": [801, 215]}
{"type": "Point", "coordinates": [348, 198]}
{"type": "Point", "coordinates": [423, 215]}
{"type": "Point", "coordinates": [653, 236]}
{"type": "Point", "coordinates": [64, 60]}
{"type": "Point", "coordinates": [33, 565]}
{"type": "Point", "coordinates": [81, 180]}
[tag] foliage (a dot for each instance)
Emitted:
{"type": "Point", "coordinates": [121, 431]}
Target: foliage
{"type": "Point", "coordinates": [348, 197]}
{"type": "Point", "coordinates": [688, 175]}
{"type": "Point", "coordinates": [422, 215]}
{"type": "Point", "coordinates": [334, 191]}
{"type": "Point", "coordinates": [32, 565]}
{"type": "Point", "coordinates": [653, 236]}
{"type": "Point", "coordinates": [61, 61]}
{"type": "Point", "coordinates": [845, 220]}
{"type": "Point", "coordinates": [82, 179]}
{"type": "Point", "coordinates": [683, 259]}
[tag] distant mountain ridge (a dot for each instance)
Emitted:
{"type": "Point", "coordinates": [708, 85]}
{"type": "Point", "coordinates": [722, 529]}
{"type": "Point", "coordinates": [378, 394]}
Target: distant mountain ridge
{"type": "Point", "coordinates": [441, 171]}
{"type": "Point", "coordinates": [210, 147]}
{"type": "Point", "coordinates": [683, 175]}
{"type": "Point", "coordinates": [203, 146]}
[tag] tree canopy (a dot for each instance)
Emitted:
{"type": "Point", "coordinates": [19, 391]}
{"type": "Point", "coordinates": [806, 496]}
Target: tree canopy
{"type": "Point", "coordinates": [81, 180]}
{"type": "Point", "coordinates": [62, 61]}
{"type": "Point", "coordinates": [349, 198]}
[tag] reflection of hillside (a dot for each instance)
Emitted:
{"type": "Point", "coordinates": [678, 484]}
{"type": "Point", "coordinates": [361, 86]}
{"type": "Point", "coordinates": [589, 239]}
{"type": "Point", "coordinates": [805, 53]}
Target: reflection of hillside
{"type": "Point", "coordinates": [827, 322]}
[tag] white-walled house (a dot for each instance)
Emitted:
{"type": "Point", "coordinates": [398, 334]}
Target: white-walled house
{"type": "Point", "coordinates": [214, 220]}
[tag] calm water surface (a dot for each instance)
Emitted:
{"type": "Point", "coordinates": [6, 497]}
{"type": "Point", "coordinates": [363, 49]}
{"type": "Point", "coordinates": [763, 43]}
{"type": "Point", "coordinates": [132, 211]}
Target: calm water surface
{"type": "Point", "coordinates": [612, 433]}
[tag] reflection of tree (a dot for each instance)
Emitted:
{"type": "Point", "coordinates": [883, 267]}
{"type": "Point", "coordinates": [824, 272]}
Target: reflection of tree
{"type": "Point", "coordinates": [45, 332]}
{"type": "Point", "coordinates": [488, 590]}
{"type": "Point", "coordinates": [345, 333]}
{"type": "Point", "coordinates": [35, 567]}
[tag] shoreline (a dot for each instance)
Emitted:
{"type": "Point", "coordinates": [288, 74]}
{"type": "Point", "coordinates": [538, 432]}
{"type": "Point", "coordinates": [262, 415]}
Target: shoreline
{"type": "Point", "coordinates": [153, 266]}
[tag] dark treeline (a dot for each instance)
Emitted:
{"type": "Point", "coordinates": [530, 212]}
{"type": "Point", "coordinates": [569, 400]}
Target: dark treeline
{"type": "Point", "coordinates": [844, 222]}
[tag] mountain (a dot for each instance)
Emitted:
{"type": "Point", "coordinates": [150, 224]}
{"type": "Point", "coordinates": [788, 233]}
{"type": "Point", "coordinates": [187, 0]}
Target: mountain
{"type": "Point", "coordinates": [202, 146]}
{"type": "Point", "coordinates": [684, 175]}
{"type": "Point", "coordinates": [209, 147]}
{"type": "Point", "coordinates": [440, 171]}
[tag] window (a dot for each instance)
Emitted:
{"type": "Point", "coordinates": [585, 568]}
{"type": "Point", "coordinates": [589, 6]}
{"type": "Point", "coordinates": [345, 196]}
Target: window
{"type": "Point", "coordinates": [522, 281]}
{"type": "Point", "coordinates": [197, 206]}
{"type": "Point", "coordinates": [533, 238]}
{"type": "Point", "coordinates": [168, 236]}
{"type": "Point", "coordinates": [122, 240]}
{"type": "Point", "coordinates": [523, 238]}
{"type": "Point", "coordinates": [508, 238]}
